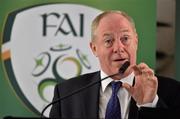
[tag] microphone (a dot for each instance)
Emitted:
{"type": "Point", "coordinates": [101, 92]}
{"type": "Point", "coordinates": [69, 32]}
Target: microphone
{"type": "Point", "coordinates": [122, 69]}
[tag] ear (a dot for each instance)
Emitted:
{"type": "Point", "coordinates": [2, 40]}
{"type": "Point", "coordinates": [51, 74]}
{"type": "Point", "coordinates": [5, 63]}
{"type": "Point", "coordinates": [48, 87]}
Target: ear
{"type": "Point", "coordinates": [93, 48]}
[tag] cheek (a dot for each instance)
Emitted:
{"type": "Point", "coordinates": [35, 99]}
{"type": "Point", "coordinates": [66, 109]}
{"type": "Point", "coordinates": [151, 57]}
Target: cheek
{"type": "Point", "coordinates": [105, 54]}
{"type": "Point", "coordinates": [132, 54]}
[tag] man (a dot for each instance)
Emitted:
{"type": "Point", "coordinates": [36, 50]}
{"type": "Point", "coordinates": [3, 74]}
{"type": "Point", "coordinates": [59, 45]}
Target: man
{"type": "Point", "coordinates": [142, 94]}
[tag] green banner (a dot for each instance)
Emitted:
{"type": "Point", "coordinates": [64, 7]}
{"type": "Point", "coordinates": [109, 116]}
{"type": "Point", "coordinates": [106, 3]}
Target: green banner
{"type": "Point", "coordinates": [37, 36]}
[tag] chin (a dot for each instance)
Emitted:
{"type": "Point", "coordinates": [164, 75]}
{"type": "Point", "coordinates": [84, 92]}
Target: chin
{"type": "Point", "coordinates": [116, 70]}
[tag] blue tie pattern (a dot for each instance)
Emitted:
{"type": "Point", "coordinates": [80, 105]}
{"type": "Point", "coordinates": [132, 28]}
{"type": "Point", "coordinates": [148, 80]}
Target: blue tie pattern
{"type": "Point", "coordinates": [113, 109]}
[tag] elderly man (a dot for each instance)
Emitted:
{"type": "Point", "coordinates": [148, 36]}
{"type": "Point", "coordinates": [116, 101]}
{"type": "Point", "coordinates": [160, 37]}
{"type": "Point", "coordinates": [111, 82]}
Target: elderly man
{"type": "Point", "coordinates": [137, 93]}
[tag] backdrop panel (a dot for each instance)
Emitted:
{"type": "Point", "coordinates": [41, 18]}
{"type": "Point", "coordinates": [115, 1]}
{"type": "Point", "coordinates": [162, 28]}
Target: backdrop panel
{"type": "Point", "coordinates": [47, 41]}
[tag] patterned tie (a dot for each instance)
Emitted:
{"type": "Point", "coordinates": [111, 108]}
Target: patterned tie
{"type": "Point", "coordinates": [113, 110]}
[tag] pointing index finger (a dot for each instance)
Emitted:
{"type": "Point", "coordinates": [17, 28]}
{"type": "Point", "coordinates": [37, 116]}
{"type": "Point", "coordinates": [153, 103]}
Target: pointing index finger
{"type": "Point", "coordinates": [136, 70]}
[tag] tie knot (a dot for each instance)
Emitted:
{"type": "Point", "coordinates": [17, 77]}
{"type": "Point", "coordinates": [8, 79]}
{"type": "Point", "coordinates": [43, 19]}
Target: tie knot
{"type": "Point", "coordinates": [116, 86]}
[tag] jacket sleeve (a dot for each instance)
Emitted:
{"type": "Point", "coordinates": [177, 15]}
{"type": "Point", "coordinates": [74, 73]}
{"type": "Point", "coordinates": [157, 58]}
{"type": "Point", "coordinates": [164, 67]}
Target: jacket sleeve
{"type": "Point", "coordinates": [162, 111]}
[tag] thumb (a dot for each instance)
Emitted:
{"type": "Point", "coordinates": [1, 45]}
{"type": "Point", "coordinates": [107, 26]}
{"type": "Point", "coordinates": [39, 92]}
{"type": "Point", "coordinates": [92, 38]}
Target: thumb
{"type": "Point", "coordinates": [128, 87]}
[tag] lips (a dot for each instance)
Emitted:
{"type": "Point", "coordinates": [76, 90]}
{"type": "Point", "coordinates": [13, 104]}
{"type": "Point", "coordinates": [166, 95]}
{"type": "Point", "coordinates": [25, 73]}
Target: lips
{"type": "Point", "coordinates": [119, 60]}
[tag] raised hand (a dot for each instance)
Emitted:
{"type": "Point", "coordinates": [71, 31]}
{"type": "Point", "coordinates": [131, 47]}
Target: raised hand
{"type": "Point", "coordinates": [146, 84]}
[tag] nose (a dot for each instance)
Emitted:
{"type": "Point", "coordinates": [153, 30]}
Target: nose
{"type": "Point", "coordinates": [118, 46]}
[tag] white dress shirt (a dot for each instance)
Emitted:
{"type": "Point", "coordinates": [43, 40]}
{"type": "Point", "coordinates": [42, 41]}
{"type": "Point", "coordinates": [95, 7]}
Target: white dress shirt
{"type": "Point", "coordinates": [123, 95]}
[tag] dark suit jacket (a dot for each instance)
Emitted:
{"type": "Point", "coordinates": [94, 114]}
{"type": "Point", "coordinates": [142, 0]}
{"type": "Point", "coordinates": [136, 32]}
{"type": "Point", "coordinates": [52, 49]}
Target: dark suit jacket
{"type": "Point", "coordinates": [85, 104]}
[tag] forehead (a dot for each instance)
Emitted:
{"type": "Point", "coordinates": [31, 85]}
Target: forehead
{"type": "Point", "coordinates": [114, 22]}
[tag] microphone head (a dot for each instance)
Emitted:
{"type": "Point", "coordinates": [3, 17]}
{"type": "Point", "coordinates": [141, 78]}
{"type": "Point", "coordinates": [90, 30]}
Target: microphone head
{"type": "Point", "coordinates": [124, 67]}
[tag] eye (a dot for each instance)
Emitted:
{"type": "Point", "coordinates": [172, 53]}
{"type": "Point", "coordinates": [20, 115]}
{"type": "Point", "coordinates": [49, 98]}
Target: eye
{"type": "Point", "coordinates": [125, 39]}
{"type": "Point", "coordinates": [108, 42]}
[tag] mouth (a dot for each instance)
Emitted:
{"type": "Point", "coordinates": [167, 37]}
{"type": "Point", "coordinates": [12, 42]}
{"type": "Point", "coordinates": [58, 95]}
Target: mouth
{"type": "Point", "coordinates": [120, 60]}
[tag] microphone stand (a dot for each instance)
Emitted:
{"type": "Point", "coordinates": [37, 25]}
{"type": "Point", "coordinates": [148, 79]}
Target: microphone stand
{"type": "Point", "coordinates": [121, 71]}
{"type": "Point", "coordinates": [74, 92]}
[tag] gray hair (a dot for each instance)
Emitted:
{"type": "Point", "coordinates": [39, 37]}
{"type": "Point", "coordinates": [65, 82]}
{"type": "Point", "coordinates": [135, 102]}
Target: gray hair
{"type": "Point", "coordinates": [96, 21]}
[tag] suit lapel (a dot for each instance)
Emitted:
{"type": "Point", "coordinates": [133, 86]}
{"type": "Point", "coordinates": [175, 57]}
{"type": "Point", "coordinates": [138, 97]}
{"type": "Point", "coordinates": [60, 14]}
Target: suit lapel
{"type": "Point", "coordinates": [91, 101]}
{"type": "Point", "coordinates": [133, 111]}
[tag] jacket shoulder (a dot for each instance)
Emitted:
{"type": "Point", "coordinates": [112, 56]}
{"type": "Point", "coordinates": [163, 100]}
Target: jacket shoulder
{"type": "Point", "coordinates": [167, 81]}
{"type": "Point", "coordinates": [168, 90]}
{"type": "Point", "coordinates": [78, 82]}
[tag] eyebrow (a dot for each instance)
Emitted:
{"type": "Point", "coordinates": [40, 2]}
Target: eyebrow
{"type": "Point", "coordinates": [125, 30]}
{"type": "Point", "coordinates": [107, 34]}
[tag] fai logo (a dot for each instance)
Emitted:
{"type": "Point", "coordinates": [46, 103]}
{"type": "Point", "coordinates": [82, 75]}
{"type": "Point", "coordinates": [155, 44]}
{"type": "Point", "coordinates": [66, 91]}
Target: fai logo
{"type": "Point", "coordinates": [45, 45]}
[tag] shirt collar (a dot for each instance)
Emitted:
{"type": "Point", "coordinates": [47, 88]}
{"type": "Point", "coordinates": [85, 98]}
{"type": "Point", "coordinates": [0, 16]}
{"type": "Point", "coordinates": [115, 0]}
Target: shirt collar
{"type": "Point", "coordinates": [128, 79]}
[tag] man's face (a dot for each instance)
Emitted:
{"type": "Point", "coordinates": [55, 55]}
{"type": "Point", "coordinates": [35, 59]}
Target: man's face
{"type": "Point", "coordinates": [115, 42]}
